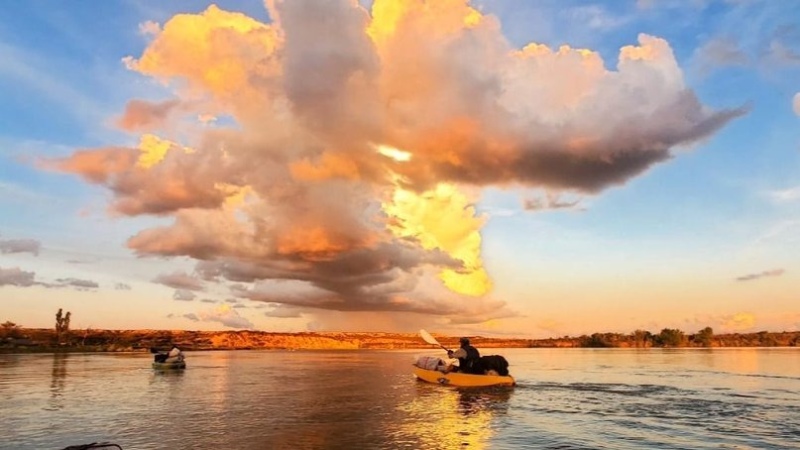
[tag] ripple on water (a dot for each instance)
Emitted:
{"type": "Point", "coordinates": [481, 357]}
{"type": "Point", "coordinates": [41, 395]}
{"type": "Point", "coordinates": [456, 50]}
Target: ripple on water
{"type": "Point", "coordinates": [254, 400]}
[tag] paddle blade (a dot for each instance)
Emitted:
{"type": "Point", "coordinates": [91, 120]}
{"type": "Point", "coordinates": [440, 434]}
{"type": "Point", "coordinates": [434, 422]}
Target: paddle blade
{"type": "Point", "coordinates": [428, 338]}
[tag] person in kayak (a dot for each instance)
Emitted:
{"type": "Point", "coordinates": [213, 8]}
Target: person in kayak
{"type": "Point", "coordinates": [468, 357]}
{"type": "Point", "coordinates": [174, 355]}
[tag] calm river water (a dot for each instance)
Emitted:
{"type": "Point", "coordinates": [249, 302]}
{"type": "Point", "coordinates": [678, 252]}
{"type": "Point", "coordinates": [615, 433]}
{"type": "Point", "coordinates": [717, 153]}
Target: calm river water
{"type": "Point", "coordinates": [566, 399]}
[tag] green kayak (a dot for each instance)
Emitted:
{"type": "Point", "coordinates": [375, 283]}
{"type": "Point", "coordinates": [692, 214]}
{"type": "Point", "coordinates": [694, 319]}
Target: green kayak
{"type": "Point", "coordinates": [175, 365]}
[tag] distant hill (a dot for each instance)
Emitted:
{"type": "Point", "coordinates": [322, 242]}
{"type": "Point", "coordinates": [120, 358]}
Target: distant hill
{"type": "Point", "coordinates": [44, 340]}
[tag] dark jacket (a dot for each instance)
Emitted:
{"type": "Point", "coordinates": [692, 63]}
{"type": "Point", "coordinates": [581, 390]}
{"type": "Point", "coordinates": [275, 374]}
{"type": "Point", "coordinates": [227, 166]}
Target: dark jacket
{"type": "Point", "coordinates": [470, 364]}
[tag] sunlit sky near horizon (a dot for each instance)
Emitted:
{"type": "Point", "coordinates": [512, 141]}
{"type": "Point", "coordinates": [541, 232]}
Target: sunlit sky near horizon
{"type": "Point", "coordinates": [496, 167]}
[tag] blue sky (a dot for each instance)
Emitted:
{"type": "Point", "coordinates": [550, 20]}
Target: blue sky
{"type": "Point", "coordinates": [664, 248]}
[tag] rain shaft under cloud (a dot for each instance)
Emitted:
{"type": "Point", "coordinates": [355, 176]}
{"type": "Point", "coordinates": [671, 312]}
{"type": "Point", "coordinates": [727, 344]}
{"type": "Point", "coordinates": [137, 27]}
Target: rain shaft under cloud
{"type": "Point", "coordinates": [361, 140]}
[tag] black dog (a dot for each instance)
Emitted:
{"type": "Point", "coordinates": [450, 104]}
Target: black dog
{"type": "Point", "coordinates": [496, 363]}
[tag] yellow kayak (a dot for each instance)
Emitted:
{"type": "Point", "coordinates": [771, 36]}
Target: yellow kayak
{"type": "Point", "coordinates": [462, 379]}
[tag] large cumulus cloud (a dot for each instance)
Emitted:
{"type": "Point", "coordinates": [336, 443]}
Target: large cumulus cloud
{"type": "Point", "coordinates": [297, 200]}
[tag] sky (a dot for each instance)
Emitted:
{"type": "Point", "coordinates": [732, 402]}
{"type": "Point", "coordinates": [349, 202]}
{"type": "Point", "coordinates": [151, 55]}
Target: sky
{"type": "Point", "coordinates": [496, 167]}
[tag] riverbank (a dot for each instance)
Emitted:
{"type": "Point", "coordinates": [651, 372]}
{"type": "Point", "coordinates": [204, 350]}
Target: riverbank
{"type": "Point", "coordinates": [30, 340]}
{"type": "Point", "coordinates": [44, 340]}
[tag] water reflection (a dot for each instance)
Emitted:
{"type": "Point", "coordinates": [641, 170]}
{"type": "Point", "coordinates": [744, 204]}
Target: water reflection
{"type": "Point", "coordinates": [9, 361]}
{"type": "Point", "coordinates": [453, 418]}
{"type": "Point", "coordinates": [167, 385]}
{"type": "Point", "coordinates": [166, 375]}
{"type": "Point", "coordinates": [472, 401]}
{"type": "Point", "coordinates": [7, 364]}
{"type": "Point", "coordinates": [369, 400]}
{"type": "Point", "coordinates": [747, 361]}
{"type": "Point", "coordinates": [706, 357]}
{"type": "Point", "coordinates": [58, 381]}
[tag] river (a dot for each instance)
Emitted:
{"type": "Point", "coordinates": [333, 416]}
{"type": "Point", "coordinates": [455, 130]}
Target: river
{"type": "Point", "coordinates": [565, 399]}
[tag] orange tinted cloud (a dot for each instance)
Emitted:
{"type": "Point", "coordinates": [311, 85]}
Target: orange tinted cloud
{"type": "Point", "coordinates": [97, 165]}
{"type": "Point", "coordinates": [142, 115]}
{"type": "Point", "coordinates": [739, 321]}
{"type": "Point", "coordinates": [442, 218]}
{"type": "Point", "coordinates": [299, 190]}
{"type": "Point", "coordinates": [225, 315]}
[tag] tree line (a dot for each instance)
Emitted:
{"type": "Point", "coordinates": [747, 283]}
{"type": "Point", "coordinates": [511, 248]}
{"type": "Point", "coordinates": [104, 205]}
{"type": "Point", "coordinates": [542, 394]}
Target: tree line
{"type": "Point", "coordinates": [10, 330]}
{"type": "Point", "coordinates": [62, 335]}
{"type": "Point", "coordinates": [673, 337]}
{"type": "Point", "coordinates": [668, 337]}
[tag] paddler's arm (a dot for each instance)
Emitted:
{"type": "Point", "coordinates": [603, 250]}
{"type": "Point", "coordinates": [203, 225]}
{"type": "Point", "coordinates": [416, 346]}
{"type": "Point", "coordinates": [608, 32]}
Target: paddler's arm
{"type": "Point", "coordinates": [458, 353]}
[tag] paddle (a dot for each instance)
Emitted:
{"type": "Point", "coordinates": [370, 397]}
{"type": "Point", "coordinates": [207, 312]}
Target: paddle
{"type": "Point", "coordinates": [431, 340]}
